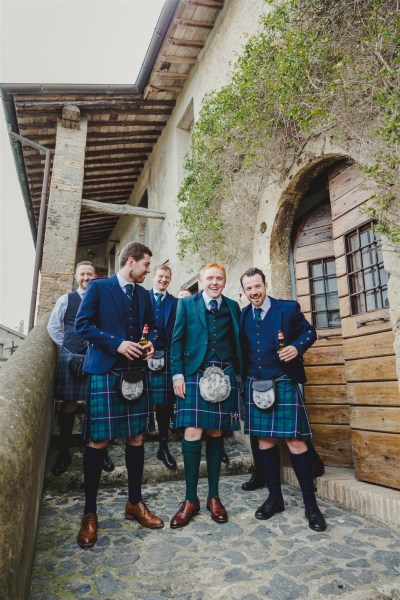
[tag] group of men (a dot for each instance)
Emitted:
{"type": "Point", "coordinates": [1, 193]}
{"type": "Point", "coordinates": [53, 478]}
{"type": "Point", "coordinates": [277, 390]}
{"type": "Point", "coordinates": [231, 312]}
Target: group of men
{"type": "Point", "coordinates": [210, 359]}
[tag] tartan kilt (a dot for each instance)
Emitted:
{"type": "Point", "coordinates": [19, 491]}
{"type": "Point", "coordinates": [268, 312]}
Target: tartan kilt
{"type": "Point", "coordinates": [69, 387]}
{"type": "Point", "coordinates": [194, 411]}
{"type": "Point", "coordinates": [160, 384]}
{"type": "Point", "coordinates": [286, 419]}
{"type": "Point", "coordinates": [109, 416]}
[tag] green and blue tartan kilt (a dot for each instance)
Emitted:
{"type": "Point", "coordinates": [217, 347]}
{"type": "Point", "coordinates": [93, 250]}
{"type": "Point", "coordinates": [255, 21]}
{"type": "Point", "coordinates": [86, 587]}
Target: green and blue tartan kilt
{"type": "Point", "coordinates": [194, 411]}
{"type": "Point", "coordinates": [109, 416]}
{"type": "Point", "coordinates": [160, 384]}
{"type": "Point", "coordinates": [69, 387]}
{"type": "Point", "coordinates": [286, 419]}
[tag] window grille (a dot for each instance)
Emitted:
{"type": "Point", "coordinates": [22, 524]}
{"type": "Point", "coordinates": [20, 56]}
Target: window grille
{"type": "Point", "coordinates": [324, 294]}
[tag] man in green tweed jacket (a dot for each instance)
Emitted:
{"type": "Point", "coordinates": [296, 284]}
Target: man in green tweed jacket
{"type": "Point", "coordinates": [206, 335]}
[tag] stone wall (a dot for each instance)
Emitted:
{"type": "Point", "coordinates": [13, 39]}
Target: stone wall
{"type": "Point", "coordinates": [26, 411]}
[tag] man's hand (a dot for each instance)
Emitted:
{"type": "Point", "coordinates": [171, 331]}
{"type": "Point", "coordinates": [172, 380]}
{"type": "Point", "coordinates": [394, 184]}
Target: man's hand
{"type": "Point", "coordinates": [131, 350]}
{"type": "Point", "coordinates": [288, 353]}
{"type": "Point", "coordinates": [149, 349]}
{"type": "Point", "coordinates": [179, 388]}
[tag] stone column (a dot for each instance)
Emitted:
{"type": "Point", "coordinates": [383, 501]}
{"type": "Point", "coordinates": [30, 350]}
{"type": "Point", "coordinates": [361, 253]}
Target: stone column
{"type": "Point", "coordinates": [64, 210]}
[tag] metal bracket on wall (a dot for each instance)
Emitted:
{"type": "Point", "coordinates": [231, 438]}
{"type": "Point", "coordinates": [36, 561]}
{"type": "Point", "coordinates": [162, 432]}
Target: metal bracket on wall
{"type": "Point", "coordinates": [326, 337]}
{"type": "Point", "coordinates": [362, 323]}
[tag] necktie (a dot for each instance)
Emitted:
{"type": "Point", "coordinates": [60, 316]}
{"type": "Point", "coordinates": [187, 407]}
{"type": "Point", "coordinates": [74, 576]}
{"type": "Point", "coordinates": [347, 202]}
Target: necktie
{"type": "Point", "coordinates": [158, 296]}
{"type": "Point", "coordinates": [257, 315]}
{"type": "Point", "coordinates": [213, 306]}
{"type": "Point", "coordinates": [129, 291]}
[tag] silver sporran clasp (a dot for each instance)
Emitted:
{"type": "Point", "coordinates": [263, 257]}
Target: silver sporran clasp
{"type": "Point", "coordinates": [214, 385]}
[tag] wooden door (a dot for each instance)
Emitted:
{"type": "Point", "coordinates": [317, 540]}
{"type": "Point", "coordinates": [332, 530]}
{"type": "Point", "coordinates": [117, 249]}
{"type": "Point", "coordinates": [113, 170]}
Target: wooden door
{"type": "Point", "coordinates": [316, 286]}
{"type": "Point", "coordinates": [372, 386]}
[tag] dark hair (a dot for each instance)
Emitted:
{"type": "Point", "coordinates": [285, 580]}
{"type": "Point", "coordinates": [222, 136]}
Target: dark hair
{"type": "Point", "coordinates": [251, 272]}
{"type": "Point", "coordinates": [135, 250]}
{"type": "Point", "coordinates": [85, 263]}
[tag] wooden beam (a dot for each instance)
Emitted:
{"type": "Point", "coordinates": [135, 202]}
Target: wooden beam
{"type": "Point", "coordinates": [175, 58]}
{"type": "Point", "coordinates": [199, 24]}
{"type": "Point", "coordinates": [207, 4]}
{"type": "Point", "coordinates": [187, 43]}
{"type": "Point", "coordinates": [122, 210]}
{"type": "Point", "coordinates": [71, 117]}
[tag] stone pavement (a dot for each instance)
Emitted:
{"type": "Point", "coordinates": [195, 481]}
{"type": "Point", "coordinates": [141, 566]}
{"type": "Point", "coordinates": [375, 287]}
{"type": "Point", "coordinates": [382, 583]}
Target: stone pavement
{"type": "Point", "coordinates": [281, 559]}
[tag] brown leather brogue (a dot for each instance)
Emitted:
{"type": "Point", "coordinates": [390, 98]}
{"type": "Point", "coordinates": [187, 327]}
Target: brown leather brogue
{"type": "Point", "coordinates": [143, 515]}
{"type": "Point", "coordinates": [87, 536]}
{"type": "Point", "coordinates": [186, 511]}
{"type": "Point", "coordinates": [217, 510]}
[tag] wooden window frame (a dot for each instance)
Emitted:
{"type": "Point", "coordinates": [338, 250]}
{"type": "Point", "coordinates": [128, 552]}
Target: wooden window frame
{"type": "Point", "coordinates": [322, 261]}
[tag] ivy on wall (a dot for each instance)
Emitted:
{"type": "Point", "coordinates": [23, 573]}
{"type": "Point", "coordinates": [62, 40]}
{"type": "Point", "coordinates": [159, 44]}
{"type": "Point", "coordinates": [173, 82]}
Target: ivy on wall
{"type": "Point", "coordinates": [316, 67]}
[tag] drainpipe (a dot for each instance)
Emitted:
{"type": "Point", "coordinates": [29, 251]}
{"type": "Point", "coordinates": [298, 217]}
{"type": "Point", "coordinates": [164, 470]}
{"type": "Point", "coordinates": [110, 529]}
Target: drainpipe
{"type": "Point", "coordinates": [41, 225]}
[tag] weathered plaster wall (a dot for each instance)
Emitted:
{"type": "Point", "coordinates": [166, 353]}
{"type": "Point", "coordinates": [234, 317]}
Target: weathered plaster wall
{"type": "Point", "coordinates": [26, 411]}
{"type": "Point", "coordinates": [6, 339]}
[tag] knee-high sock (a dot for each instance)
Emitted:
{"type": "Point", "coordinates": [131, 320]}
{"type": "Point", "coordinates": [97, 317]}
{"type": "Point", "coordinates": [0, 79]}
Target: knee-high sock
{"type": "Point", "coordinates": [66, 424]}
{"type": "Point", "coordinates": [214, 449]}
{"type": "Point", "coordinates": [162, 415]}
{"type": "Point", "coordinates": [270, 464]}
{"type": "Point", "coordinates": [134, 460]}
{"type": "Point", "coordinates": [92, 466]}
{"type": "Point", "coordinates": [191, 459]}
{"type": "Point", "coordinates": [302, 465]}
{"type": "Point", "coordinates": [258, 470]}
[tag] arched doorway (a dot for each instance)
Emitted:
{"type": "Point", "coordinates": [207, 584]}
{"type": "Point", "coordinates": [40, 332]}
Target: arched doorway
{"type": "Point", "coordinates": [340, 282]}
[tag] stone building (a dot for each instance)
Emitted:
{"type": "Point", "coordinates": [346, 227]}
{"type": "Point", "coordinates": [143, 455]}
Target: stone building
{"type": "Point", "coordinates": [10, 340]}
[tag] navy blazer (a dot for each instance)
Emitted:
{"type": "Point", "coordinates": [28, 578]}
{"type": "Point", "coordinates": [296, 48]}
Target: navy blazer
{"type": "Point", "coordinates": [170, 314]}
{"type": "Point", "coordinates": [101, 321]}
{"type": "Point", "coordinates": [298, 332]}
{"type": "Point", "coordinates": [190, 339]}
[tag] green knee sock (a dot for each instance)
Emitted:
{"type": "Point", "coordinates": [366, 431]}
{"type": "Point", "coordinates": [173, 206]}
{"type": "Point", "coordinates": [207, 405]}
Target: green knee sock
{"type": "Point", "coordinates": [191, 460]}
{"type": "Point", "coordinates": [214, 449]}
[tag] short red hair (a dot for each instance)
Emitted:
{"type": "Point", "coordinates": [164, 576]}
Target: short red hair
{"type": "Point", "coordinates": [211, 266]}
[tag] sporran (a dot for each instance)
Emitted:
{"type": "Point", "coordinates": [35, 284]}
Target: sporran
{"type": "Point", "coordinates": [214, 385]}
{"type": "Point", "coordinates": [157, 362]}
{"type": "Point", "coordinates": [264, 393]}
{"type": "Point", "coordinates": [131, 384]}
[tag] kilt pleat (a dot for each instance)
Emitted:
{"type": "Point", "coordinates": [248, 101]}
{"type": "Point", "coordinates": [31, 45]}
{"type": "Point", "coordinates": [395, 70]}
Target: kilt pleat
{"type": "Point", "coordinates": [286, 419]}
{"type": "Point", "coordinates": [160, 384]}
{"type": "Point", "coordinates": [194, 411]}
{"type": "Point", "coordinates": [69, 387]}
{"type": "Point", "coordinates": [109, 416]}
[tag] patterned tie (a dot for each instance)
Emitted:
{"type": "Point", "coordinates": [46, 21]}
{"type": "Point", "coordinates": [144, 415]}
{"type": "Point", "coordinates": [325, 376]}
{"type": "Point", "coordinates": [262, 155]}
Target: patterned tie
{"type": "Point", "coordinates": [158, 296]}
{"type": "Point", "coordinates": [213, 306]}
{"type": "Point", "coordinates": [257, 315]}
{"type": "Point", "coordinates": [129, 291]}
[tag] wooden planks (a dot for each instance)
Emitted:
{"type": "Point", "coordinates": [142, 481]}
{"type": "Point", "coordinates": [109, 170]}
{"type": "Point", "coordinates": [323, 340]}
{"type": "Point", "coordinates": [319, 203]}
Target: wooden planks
{"type": "Point", "coordinates": [377, 457]}
{"type": "Point", "coordinates": [375, 418]}
{"type": "Point", "coordinates": [385, 393]}
{"type": "Point", "coordinates": [333, 442]}
{"type": "Point", "coordinates": [382, 368]}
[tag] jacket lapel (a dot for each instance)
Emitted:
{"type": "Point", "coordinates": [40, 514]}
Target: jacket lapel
{"type": "Point", "coordinates": [168, 308]}
{"type": "Point", "coordinates": [276, 314]}
{"type": "Point", "coordinates": [200, 308]}
{"type": "Point", "coordinates": [116, 293]}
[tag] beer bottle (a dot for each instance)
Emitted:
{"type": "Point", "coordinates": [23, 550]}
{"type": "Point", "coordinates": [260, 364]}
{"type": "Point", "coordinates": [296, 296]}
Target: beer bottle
{"type": "Point", "coordinates": [281, 341]}
{"type": "Point", "coordinates": [145, 337]}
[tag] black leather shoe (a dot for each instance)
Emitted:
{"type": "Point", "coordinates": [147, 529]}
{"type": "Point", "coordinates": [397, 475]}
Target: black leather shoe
{"type": "Point", "coordinates": [270, 508]}
{"type": "Point", "coordinates": [255, 482]}
{"type": "Point", "coordinates": [61, 463]}
{"type": "Point", "coordinates": [315, 518]}
{"type": "Point", "coordinates": [165, 455]}
{"type": "Point", "coordinates": [225, 458]}
{"type": "Point", "coordinates": [108, 464]}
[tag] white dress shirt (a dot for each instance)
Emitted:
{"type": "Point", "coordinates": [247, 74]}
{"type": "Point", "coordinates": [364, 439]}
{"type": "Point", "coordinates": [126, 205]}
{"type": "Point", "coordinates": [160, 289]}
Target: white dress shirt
{"type": "Point", "coordinates": [163, 294]}
{"type": "Point", "coordinates": [123, 282]}
{"type": "Point", "coordinates": [265, 306]}
{"type": "Point", "coordinates": [207, 299]}
{"type": "Point", "coordinates": [55, 325]}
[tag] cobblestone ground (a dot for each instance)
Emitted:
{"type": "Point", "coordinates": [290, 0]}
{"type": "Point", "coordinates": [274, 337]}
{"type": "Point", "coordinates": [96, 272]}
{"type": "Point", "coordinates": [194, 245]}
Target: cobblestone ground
{"type": "Point", "coordinates": [279, 559]}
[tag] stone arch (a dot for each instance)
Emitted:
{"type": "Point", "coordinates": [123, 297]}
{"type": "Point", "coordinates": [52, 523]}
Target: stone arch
{"type": "Point", "coordinates": [283, 224]}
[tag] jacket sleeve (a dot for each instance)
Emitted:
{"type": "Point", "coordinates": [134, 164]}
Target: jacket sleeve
{"type": "Point", "coordinates": [178, 340]}
{"type": "Point", "coordinates": [305, 333]}
{"type": "Point", "coordinates": [87, 319]}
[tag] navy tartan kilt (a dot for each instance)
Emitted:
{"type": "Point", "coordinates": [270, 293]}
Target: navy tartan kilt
{"type": "Point", "coordinates": [194, 411]}
{"type": "Point", "coordinates": [69, 387]}
{"type": "Point", "coordinates": [286, 419]}
{"type": "Point", "coordinates": [109, 416]}
{"type": "Point", "coordinates": [160, 384]}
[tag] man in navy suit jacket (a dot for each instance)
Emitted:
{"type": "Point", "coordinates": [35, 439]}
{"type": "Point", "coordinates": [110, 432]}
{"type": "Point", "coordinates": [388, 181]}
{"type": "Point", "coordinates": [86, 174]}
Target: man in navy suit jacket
{"type": "Point", "coordinates": [111, 318]}
{"type": "Point", "coordinates": [160, 380]}
{"type": "Point", "coordinates": [262, 323]}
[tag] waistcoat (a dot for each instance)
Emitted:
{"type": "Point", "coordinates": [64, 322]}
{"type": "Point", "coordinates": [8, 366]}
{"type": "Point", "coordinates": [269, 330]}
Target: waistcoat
{"type": "Point", "coordinates": [220, 335]}
{"type": "Point", "coordinates": [160, 338]}
{"type": "Point", "coordinates": [263, 359]}
{"type": "Point", "coordinates": [72, 342]}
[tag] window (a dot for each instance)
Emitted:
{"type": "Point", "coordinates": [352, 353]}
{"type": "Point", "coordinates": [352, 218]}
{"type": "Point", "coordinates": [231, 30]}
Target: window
{"type": "Point", "coordinates": [144, 200]}
{"type": "Point", "coordinates": [367, 276]}
{"type": "Point", "coordinates": [324, 294]}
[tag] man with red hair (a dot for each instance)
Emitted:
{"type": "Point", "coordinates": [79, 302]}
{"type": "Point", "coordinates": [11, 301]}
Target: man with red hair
{"type": "Point", "coordinates": [205, 358]}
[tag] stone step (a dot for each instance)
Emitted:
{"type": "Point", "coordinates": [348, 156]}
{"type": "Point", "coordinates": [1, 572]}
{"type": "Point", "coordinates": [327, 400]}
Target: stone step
{"type": "Point", "coordinates": [240, 461]}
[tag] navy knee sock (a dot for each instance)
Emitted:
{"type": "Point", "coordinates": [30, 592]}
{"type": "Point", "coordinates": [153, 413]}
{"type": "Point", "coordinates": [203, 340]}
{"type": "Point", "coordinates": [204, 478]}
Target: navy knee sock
{"type": "Point", "coordinates": [214, 449]}
{"type": "Point", "coordinates": [302, 466]}
{"type": "Point", "coordinates": [92, 466]}
{"type": "Point", "coordinates": [270, 463]}
{"type": "Point", "coordinates": [134, 460]}
{"type": "Point", "coordinates": [191, 459]}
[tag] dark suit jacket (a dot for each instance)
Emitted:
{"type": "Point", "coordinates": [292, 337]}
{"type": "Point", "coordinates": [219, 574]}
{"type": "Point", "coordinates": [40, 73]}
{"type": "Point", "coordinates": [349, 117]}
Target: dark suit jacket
{"type": "Point", "coordinates": [101, 321]}
{"type": "Point", "coordinates": [170, 313]}
{"type": "Point", "coordinates": [190, 337]}
{"type": "Point", "coordinates": [298, 332]}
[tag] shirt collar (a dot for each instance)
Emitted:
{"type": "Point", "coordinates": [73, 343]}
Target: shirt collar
{"type": "Point", "coordinates": [81, 291]}
{"type": "Point", "coordinates": [164, 293]}
{"type": "Point", "coordinates": [265, 306]}
{"type": "Point", "coordinates": [207, 299]}
{"type": "Point", "coordinates": [122, 281]}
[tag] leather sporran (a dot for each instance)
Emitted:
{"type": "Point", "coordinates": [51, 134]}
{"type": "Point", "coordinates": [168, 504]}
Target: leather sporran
{"type": "Point", "coordinates": [131, 384]}
{"type": "Point", "coordinates": [75, 365]}
{"type": "Point", "coordinates": [264, 393]}
{"type": "Point", "coordinates": [157, 362]}
{"type": "Point", "coordinates": [214, 385]}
